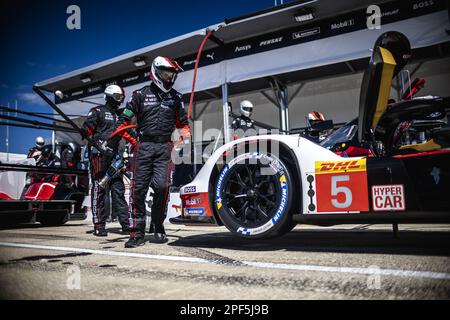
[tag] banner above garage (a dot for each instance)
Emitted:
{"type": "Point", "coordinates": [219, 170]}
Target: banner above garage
{"type": "Point", "coordinates": [292, 47]}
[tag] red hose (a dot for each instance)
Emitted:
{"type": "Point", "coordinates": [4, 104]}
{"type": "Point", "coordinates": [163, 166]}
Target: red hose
{"type": "Point", "coordinates": [115, 133]}
{"type": "Point", "coordinates": [199, 53]}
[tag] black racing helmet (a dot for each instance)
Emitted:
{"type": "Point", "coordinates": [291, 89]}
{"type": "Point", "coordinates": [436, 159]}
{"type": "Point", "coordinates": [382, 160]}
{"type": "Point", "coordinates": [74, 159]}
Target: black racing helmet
{"type": "Point", "coordinates": [47, 151]}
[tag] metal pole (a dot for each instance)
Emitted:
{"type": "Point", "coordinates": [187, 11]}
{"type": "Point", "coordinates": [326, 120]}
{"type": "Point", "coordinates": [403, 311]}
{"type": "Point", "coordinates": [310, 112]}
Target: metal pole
{"type": "Point", "coordinates": [226, 115]}
{"type": "Point", "coordinates": [70, 121]}
{"type": "Point", "coordinates": [283, 115]}
{"type": "Point", "coordinates": [7, 138]}
{"type": "Point", "coordinates": [193, 140]}
{"type": "Point", "coordinates": [53, 142]}
{"type": "Point", "coordinates": [15, 102]}
{"type": "Point", "coordinates": [286, 103]}
{"type": "Point", "coordinates": [281, 95]}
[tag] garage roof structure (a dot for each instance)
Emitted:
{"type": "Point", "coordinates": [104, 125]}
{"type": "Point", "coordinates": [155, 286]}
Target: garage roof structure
{"type": "Point", "coordinates": [268, 49]}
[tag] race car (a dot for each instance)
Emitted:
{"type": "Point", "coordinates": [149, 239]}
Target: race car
{"type": "Point", "coordinates": [51, 192]}
{"type": "Point", "coordinates": [262, 186]}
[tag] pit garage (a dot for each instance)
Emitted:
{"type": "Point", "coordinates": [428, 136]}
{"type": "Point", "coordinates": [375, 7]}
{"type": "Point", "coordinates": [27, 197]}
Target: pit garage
{"type": "Point", "coordinates": [287, 69]}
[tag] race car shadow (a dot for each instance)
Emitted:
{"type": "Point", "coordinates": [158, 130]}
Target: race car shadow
{"type": "Point", "coordinates": [331, 241]}
{"type": "Point", "coordinates": [32, 226]}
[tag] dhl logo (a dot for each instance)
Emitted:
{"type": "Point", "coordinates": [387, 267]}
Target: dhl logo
{"type": "Point", "coordinates": [341, 166]}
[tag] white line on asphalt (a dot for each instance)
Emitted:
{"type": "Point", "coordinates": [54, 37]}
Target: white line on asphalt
{"type": "Point", "coordinates": [366, 271]}
{"type": "Point", "coordinates": [104, 252]}
{"type": "Point", "coordinates": [262, 265]}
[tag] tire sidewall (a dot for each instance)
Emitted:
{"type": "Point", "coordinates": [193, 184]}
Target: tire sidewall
{"type": "Point", "coordinates": [281, 216]}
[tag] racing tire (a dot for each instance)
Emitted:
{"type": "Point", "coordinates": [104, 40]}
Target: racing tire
{"type": "Point", "coordinates": [253, 195]}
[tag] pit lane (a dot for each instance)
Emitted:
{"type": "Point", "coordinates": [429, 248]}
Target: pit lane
{"type": "Point", "coordinates": [354, 261]}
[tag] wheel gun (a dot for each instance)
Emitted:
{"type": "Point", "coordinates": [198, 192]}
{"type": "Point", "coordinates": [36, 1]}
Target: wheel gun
{"type": "Point", "coordinates": [117, 168]}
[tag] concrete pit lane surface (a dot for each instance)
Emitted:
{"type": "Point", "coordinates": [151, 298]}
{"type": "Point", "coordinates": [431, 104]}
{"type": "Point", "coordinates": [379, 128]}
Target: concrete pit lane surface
{"type": "Point", "coordinates": [344, 262]}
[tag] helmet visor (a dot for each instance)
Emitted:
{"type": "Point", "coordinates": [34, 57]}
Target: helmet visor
{"type": "Point", "coordinates": [167, 76]}
{"type": "Point", "coordinates": [313, 122]}
{"type": "Point", "coordinates": [118, 97]}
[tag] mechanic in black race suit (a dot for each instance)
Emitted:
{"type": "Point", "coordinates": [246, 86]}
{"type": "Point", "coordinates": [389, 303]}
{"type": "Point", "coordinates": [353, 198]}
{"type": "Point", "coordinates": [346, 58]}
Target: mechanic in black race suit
{"type": "Point", "coordinates": [48, 158]}
{"type": "Point", "coordinates": [99, 125]}
{"type": "Point", "coordinates": [313, 118]}
{"type": "Point", "coordinates": [45, 158]}
{"type": "Point", "coordinates": [243, 123]}
{"type": "Point", "coordinates": [158, 109]}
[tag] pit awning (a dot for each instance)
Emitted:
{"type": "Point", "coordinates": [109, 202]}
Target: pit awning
{"type": "Point", "coordinates": [270, 43]}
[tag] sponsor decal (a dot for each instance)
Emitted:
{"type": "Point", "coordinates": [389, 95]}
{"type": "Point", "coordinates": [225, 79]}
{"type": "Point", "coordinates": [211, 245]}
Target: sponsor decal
{"type": "Point", "coordinates": [94, 89]}
{"type": "Point", "coordinates": [283, 202]}
{"type": "Point", "coordinates": [343, 24]}
{"type": "Point", "coordinates": [193, 201]}
{"type": "Point", "coordinates": [423, 4]}
{"type": "Point", "coordinates": [109, 116]}
{"type": "Point", "coordinates": [271, 41]}
{"type": "Point", "coordinates": [77, 93]}
{"type": "Point", "coordinates": [388, 198]}
{"type": "Point", "coordinates": [306, 33]}
{"type": "Point", "coordinates": [190, 189]}
{"type": "Point", "coordinates": [341, 186]}
{"type": "Point", "coordinates": [243, 48]}
{"type": "Point", "coordinates": [341, 166]}
{"type": "Point", "coordinates": [219, 187]}
{"type": "Point", "coordinates": [436, 174]}
{"type": "Point", "coordinates": [128, 113]}
{"type": "Point", "coordinates": [195, 211]}
{"type": "Point", "coordinates": [210, 56]}
{"type": "Point", "coordinates": [151, 100]}
{"type": "Point", "coordinates": [188, 63]}
{"type": "Point", "coordinates": [387, 13]}
{"type": "Point", "coordinates": [130, 79]}
{"type": "Point", "coordinates": [259, 230]}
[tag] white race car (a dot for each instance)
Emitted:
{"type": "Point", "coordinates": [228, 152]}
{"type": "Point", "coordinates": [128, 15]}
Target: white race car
{"type": "Point", "coordinates": [262, 186]}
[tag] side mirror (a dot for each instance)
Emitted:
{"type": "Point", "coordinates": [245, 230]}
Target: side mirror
{"type": "Point", "coordinates": [322, 126]}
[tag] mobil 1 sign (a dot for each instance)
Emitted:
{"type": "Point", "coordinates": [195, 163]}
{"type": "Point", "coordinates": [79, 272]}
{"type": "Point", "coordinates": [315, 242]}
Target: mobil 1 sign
{"type": "Point", "coordinates": [388, 198]}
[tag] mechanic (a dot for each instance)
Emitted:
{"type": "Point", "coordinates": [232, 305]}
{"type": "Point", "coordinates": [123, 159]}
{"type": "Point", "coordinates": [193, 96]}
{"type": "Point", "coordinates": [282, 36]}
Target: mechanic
{"type": "Point", "coordinates": [48, 158]}
{"type": "Point", "coordinates": [159, 110]}
{"type": "Point", "coordinates": [312, 119]}
{"type": "Point", "coordinates": [70, 156]}
{"type": "Point", "coordinates": [36, 151]}
{"type": "Point", "coordinates": [99, 125]}
{"type": "Point", "coordinates": [244, 123]}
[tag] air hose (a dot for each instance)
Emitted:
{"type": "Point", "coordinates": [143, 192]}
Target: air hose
{"type": "Point", "coordinates": [194, 80]}
{"type": "Point", "coordinates": [119, 131]}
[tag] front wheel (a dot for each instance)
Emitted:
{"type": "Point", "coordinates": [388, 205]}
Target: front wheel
{"type": "Point", "coordinates": [253, 196]}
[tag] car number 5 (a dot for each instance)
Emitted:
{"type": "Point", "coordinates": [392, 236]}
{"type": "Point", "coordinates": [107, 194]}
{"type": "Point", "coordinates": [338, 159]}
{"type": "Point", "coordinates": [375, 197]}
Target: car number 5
{"type": "Point", "coordinates": [336, 190]}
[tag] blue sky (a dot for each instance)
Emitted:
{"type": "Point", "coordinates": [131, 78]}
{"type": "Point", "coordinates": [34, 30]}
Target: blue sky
{"type": "Point", "coordinates": [36, 44]}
